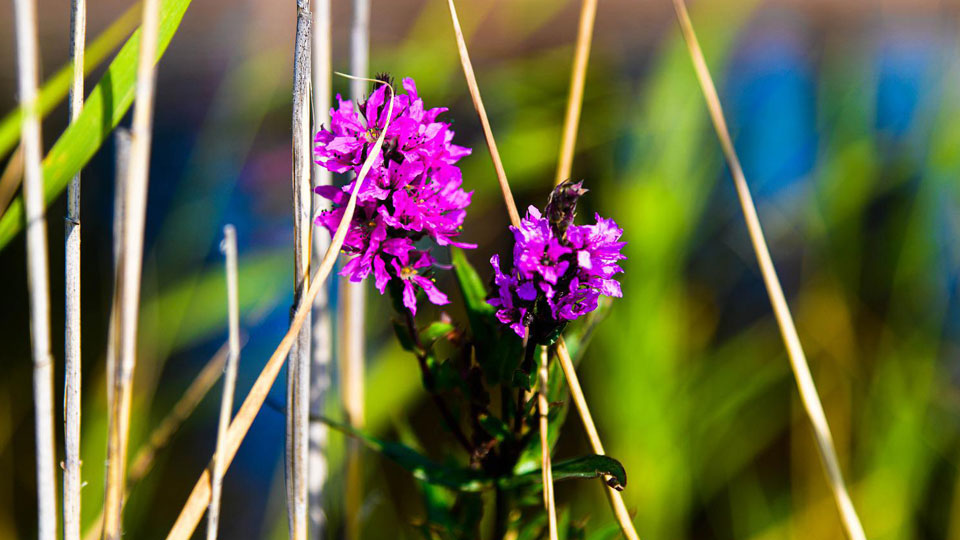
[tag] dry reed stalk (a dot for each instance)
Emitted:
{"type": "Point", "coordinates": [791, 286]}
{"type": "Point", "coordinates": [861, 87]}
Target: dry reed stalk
{"type": "Point", "coordinates": [161, 435]}
{"type": "Point", "coordinates": [616, 500]}
{"type": "Point", "coordinates": [576, 392]}
{"type": "Point", "coordinates": [200, 496]}
{"type": "Point", "coordinates": [352, 305]}
{"type": "Point", "coordinates": [482, 113]}
{"type": "Point", "coordinates": [229, 248]}
{"type": "Point", "coordinates": [571, 120]}
{"type": "Point", "coordinates": [131, 260]}
{"type": "Point", "coordinates": [298, 369]}
{"type": "Point", "coordinates": [11, 178]}
{"type": "Point", "coordinates": [546, 471]}
{"type": "Point", "coordinates": [798, 361]}
{"type": "Point", "coordinates": [38, 279]}
{"type": "Point", "coordinates": [322, 346]}
{"type": "Point", "coordinates": [121, 166]}
{"type": "Point", "coordinates": [71, 358]}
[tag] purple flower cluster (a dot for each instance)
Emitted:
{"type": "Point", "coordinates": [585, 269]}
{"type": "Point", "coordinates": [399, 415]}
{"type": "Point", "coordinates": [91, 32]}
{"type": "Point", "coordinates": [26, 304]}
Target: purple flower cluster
{"type": "Point", "coordinates": [559, 269]}
{"type": "Point", "coordinates": [413, 190]}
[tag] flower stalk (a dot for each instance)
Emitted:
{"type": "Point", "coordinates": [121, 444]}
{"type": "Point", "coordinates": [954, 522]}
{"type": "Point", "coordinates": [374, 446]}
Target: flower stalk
{"type": "Point", "coordinates": [547, 473]}
{"type": "Point", "coordinates": [616, 500]}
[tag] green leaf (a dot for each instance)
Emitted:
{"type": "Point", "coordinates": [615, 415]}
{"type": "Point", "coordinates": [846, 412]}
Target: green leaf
{"type": "Point", "coordinates": [435, 331]}
{"type": "Point", "coordinates": [56, 88]}
{"type": "Point", "coordinates": [589, 466]}
{"type": "Point", "coordinates": [498, 350]}
{"type": "Point", "coordinates": [470, 480]}
{"type": "Point", "coordinates": [102, 111]}
{"type": "Point", "coordinates": [421, 467]}
{"type": "Point", "coordinates": [495, 427]}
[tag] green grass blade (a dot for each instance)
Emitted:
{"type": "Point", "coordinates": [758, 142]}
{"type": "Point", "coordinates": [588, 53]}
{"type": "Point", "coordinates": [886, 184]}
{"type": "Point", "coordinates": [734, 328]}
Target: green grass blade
{"type": "Point", "coordinates": [57, 87]}
{"type": "Point", "coordinates": [104, 108]}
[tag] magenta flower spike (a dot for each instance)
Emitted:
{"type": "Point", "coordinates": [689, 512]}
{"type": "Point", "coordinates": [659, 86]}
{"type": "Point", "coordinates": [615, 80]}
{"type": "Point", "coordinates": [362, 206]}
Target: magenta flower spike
{"type": "Point", "coordinates": [559, 270]}
{"type": "Point", "coordinates": [414, 190]}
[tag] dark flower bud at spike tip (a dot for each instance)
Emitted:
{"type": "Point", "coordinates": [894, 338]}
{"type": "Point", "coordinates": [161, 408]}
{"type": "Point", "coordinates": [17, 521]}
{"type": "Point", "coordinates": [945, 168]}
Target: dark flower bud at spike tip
{"type": "Point", "coordinates": [562, 205]}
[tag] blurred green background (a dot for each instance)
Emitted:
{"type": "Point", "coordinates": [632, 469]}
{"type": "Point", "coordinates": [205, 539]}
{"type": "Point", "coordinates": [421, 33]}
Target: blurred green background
{"type": "Point", "coordinates": [845, 118]}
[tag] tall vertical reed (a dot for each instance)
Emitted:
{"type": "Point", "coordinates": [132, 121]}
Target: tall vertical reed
{"type": "Point", "coordinates": [322, 352]}
{"type": "Point", "coordinates": [131, 260]}
{"type": "Point", "coordinates": [71, 357]}
{"type": "Point", "coordinates": [298, 368]}
{"type": "Point", "coordinates": [25, 15]}
{"type": "Point", "coordinates": [200, 496]}
{"type": "Point", "coordinates": [353, 300]}
{"type": "Point", "coordinates": [798, 361]}
{"type": "Point", "coordinates": [229, 248]}
{"type": "Point", "coordinates": [616, 500]}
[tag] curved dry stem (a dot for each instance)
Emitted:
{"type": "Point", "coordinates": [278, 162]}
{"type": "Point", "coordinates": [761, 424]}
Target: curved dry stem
{"type": "Point", "coordinates": [798, 361]}
{"type": "Point", "coordinates": [200, 496]}
{"type": "Point", "coordinates": [571, 120]}
{"type": "Point", "coordinates": [482, 113]}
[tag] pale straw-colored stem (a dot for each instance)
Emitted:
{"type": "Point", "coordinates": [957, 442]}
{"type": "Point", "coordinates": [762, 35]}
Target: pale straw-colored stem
{"type": "Point", "coordinates": [229, 248]}
{"type": "Point", "coordinates": [298, 369]}
{"type": "Point", "coordinates": [161, 435]}
{"type": "Point", "coordinates": [200, 496]}
{"type": "Point", "coordinates": [322, 346]}
{"type": "Point", "coordinates": [616, 501]}
{"type": "Point", "coordinates": [482, 114]}
{"type": "Point", "coordinates": [352, 306]}
{"type": "Point", "coordinates": [549, 502]}
{"type": "Point", "coordinates": [571, 120]}
{"type": "Point", "coordinates": [11, 178]}
{"type": "Point", "coordinates": [121, 166]}
{"type": "Point", "coordinates": [131, 261]}
{"type": "Point", "coordinates": [38, 279]}
{"type": "Point", "coordinates": [576, 392]}
{"type": "Point", "coordinates": [71, 358]}
{"type": "Point", "coordinates": [798, 362]}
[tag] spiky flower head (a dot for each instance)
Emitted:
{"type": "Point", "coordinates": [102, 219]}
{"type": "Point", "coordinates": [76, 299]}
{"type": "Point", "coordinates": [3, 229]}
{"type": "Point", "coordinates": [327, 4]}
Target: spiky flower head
{"type": "Point", "coordinates": [559, 270]}
{"type": "Point", "coordinates": [413, 191]}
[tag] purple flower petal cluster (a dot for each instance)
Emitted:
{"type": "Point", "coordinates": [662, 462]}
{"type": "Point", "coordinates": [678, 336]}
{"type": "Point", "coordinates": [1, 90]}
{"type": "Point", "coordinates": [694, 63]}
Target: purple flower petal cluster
{"type": "Point", "coordinates": [559, 269]}
{"type": "Point", "coordinates": [413, 191]}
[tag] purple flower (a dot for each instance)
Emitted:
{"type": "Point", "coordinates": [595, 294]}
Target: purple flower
{"type": "Point", "coordinates": [410, 274]}
{"type": "Point", "coordinates": [412, 191]}
{"type": "Point", "coordinates": [559, 270]}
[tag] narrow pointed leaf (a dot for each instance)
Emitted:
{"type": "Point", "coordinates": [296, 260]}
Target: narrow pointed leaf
{"type": "Point", "coordinates": [102, 111]}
